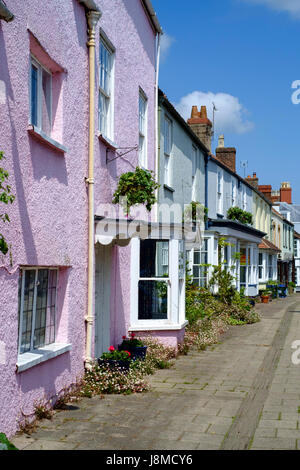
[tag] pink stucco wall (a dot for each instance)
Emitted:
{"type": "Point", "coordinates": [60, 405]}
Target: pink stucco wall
{"type": "Point", "coordinates": [49, 216]}
{"type": "Point", "coordinates": [127, 27]}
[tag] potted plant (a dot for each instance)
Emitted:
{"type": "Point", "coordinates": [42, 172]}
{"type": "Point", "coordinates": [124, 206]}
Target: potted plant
{"type": "Point", "coordinates": [135, 346]}
{"type": "Point", "coordinates": [265, 296]}
{"type": "Point", "coordinates": [115, 358]}
{"type": "Point", "coordinates": [291, 287]}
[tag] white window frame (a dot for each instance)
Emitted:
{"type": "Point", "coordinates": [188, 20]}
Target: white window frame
{"type": "Point", "coordinates": [220, 183]}
{"type": "Point", "coordinates": [143, 131]}
{"type": "Point", "coordinates": [233, 192]}
{"type": "Point", "coordinates": [244, 197]}
{"type": "Point", "coordinates": [194, 171]}
{"type": "Point", "coordinates": [176, 290]}
{"type": "Point", "coordinates": [168, 151]}
{"type": "Point", "coordinates": [21, 306]}
{"type": "Point", "coordinates": [201, 251]}
{"type": "Point", "coordinates": [39, 125]}
{"type": "Point", "coordinates": [107, 131]}
{"type": "Point", "coordinates": [261, 267]}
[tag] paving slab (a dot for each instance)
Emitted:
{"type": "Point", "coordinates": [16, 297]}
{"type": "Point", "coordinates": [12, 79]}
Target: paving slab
{"type": "Point", "coordinates": [241, 393]}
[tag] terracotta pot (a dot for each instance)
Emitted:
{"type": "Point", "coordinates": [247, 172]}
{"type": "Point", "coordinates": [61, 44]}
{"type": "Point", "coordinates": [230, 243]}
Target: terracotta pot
{"type": "Point", "coordinates": [265, 299]}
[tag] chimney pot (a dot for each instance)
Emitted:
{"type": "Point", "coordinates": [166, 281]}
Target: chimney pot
{"type": "Point", "coordinates": [203, 112]}
{"type": "Point", "coordinates": [221, 141]}
{"type": "Point", "coordinates": [195, 112]}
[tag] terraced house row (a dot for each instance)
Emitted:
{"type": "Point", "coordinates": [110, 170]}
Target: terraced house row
{"type": "Point", "coordinates": [81, 110]}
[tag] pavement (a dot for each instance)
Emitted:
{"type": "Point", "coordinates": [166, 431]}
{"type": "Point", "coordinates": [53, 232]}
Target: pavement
{"type": "Point", "coordinates": [242, 393]}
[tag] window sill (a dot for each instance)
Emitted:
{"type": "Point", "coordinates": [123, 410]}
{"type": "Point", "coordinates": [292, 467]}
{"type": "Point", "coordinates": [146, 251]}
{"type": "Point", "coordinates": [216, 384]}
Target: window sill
{"type": "Point", "coordinates": [158, 327]}
{"type": "Point", "coordinates": [109, 143]}
{"type": "Point", "coordinates": [169, 188]}
{"type": "Point", "coordinates": [33, 358]}
{"type": "Point", "coordinates": [45, 139]}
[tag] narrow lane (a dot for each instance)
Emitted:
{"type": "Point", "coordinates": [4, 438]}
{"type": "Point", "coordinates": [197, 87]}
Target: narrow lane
{"type": "Point", "coordinates": [218, 398]}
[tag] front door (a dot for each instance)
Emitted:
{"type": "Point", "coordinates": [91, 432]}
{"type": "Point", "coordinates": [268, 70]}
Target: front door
{"type": "Point", "coordinates": [102, 298]}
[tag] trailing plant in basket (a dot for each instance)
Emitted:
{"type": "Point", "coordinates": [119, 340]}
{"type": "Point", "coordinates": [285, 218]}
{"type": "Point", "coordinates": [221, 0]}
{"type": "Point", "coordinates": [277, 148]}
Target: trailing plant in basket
{"type": "Point", "coordinates": [136, 187]}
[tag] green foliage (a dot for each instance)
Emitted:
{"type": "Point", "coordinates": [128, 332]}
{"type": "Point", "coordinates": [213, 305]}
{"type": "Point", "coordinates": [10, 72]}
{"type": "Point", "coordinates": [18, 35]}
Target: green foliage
{"type": "Point", "coordinates": [42, 411]}
{"type": "Point", "coordinates": [292, 285]}
{"type": "Point", "coordinates": [223, 281]}
{"type": "Point", "coordinates": [136, 188]}
{"type": "Point", "coordinates": [114, 355]}
{"type": "Point", "coordinates": [131, 342]}
{"type": "Point", "coordinates": [195, 212]}
{"type": "Point", "coordinates": [235, 213]}
{"type": "Point", "coordinates": [6, 198]}
{"type": "Point", "coordinates": [5, 444]}
{"type": "Point", "coordinates": [103, 380]}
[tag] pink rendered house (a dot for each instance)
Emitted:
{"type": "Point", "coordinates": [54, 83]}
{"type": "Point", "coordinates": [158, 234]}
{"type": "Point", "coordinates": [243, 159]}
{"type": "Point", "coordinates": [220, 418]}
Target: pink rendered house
{"type": "Point", "coordinates": [50, 326]}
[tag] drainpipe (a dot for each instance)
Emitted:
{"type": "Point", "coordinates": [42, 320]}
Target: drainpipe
{"type": "Point", "coordinates": [92, 19]}
{"type": "Point", "coordinates": [207, 157]}
{"type": "Point", "coordinates": [157, 144]}
{"type": "Point", "coordinates": [5, 14]}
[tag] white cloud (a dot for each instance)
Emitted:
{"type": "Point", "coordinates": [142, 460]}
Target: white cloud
{"type": "Point", "coordinates": [231, 114]}
{"type": "Point", "coordinates": [166, 42]}
{"type": "Point", "coordinates": [290, 6]}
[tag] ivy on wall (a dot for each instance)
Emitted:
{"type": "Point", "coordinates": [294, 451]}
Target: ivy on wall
{"type": "Point", "coordinates": [6, 198]}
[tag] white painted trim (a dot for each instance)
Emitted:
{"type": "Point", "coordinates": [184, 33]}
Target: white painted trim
{"type": "Point", "coordinates": [172, 327]}
{"type": "Point", "coordinates": [37, 132]}
{"type": "Point", "coordinates": [31, 359]}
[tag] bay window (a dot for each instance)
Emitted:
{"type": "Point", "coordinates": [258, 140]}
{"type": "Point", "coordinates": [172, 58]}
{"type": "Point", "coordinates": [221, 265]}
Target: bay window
{"type": "Point", "coordinates": [157, 284]}
{"type": "Point", "coordinates": [154, 280]}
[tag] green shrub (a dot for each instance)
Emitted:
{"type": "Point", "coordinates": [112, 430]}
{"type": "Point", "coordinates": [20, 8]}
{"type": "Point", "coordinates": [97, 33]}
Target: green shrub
{"type": "Point", "coordinates": [5, 444]}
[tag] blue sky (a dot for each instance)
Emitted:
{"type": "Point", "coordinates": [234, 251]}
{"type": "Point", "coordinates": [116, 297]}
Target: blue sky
{"type": "Point", "coordinates": [244, 55]}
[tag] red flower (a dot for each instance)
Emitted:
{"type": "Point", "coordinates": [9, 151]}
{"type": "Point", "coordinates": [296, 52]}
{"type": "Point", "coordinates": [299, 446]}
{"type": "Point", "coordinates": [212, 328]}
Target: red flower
{"type": "Point", "coordinates": [124, 337]}
{"type": "Point", "coordinates": [132, 335]}
{"type": "Point", "coordinates": [128, 353]}
{"type": "Point", "coordinates": [111, 349]}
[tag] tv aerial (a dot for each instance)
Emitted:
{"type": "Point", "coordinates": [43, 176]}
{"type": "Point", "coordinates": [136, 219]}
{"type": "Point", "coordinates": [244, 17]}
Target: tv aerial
{"type": "Point", "coordinates": [244, 165]}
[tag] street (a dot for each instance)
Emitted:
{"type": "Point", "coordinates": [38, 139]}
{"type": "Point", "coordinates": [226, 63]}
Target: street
{"type": "Point", "coordinates": [243, 393]}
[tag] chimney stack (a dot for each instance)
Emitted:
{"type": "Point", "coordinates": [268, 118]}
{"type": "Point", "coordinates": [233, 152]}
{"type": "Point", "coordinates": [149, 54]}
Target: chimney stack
{"type": "Point", "coordinates": [286, 193]}
{"type": "Point", "coordinates": [226, 155]}
{"type": "Point", "coordinates": [267, 191]}
{"type": "Point", "coordinates": [253, 180]}
{"type": "Point", "coordinates": [201, 125]}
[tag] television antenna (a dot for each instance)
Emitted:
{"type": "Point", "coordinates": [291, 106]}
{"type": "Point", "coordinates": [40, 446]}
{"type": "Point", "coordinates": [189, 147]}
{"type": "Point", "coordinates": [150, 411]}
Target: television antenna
{"type": "Point", "coordinates": [244, 164]}
{"type": "Point", "coordinates": [215, 110]}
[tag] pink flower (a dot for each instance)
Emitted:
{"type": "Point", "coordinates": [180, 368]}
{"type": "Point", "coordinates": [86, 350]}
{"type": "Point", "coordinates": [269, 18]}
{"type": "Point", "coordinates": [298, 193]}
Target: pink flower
{"type": "Point", "coordinates": [111, 349]}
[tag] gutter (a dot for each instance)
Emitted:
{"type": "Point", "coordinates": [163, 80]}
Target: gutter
{"type": "Point", "coordinates": [5, 14]}
{"type": "Point", "coordinates": [89, 5]}
{"type": "Point", "coordinates": [151, 12]}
